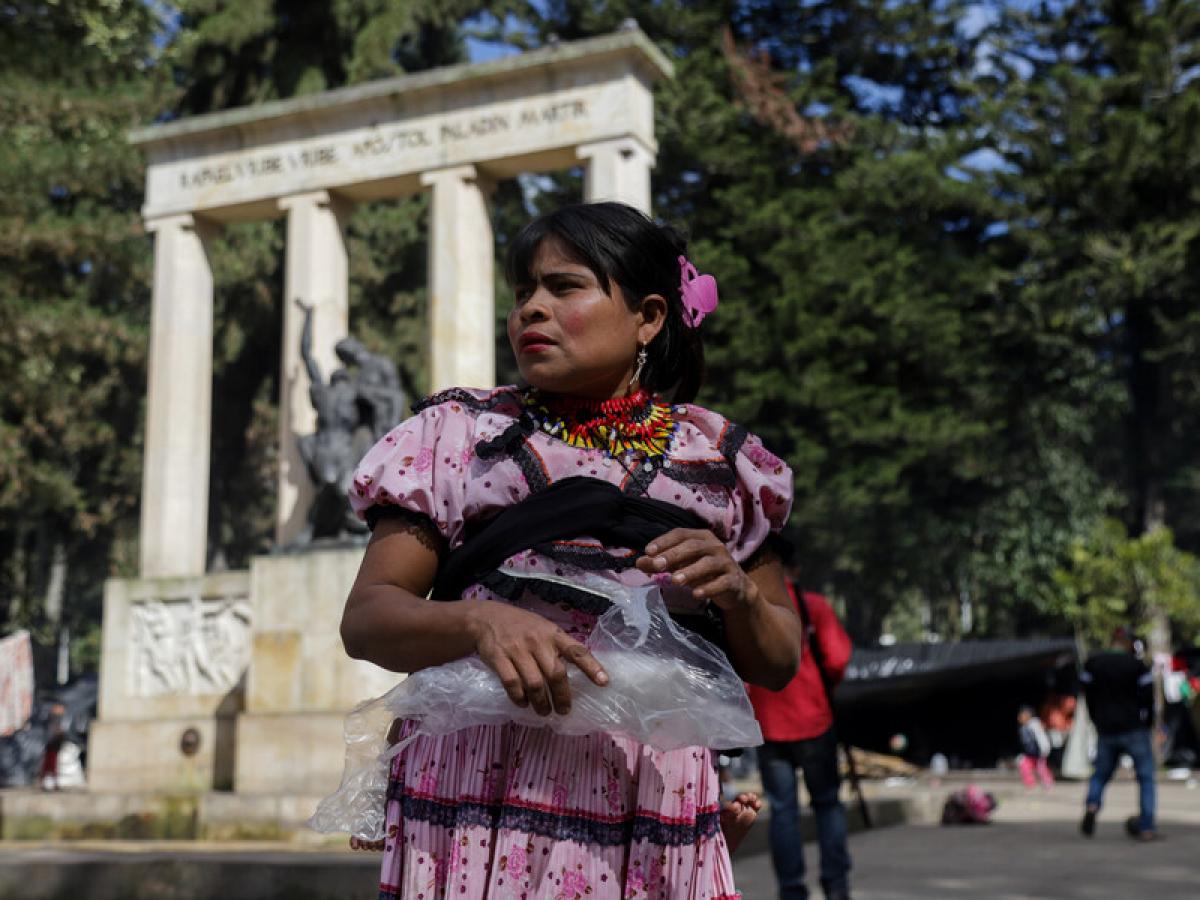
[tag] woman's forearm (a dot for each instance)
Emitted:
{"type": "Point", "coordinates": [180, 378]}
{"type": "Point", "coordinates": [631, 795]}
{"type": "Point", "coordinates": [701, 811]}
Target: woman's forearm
{"type": "Point", "coordinates": [396, 629]}
{"type": "Point", "coordinates": [764, 641]}
{"type": "Point", "coordinates": [400, 631]}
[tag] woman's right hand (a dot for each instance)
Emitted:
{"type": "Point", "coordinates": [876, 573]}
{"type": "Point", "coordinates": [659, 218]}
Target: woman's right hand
{"type": "Point", "coordinates": [529, 654]}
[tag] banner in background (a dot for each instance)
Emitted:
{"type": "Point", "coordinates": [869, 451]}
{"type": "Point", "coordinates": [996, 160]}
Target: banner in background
{"type": "Point", "coordinates": [16, 682]}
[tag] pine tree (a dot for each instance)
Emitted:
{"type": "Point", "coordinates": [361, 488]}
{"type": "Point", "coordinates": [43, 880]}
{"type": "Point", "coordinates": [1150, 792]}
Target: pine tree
{"type": "Point", "coordinates": [1112, 228]}
{"type": "Point", "coordinates": [955, 267]}
{"type": "Point", "coordinates": [869, 330]}
{"type": "Point", "coordinates": [74, 270]}
{"type": "Point", "coordinates": [1100, 124]}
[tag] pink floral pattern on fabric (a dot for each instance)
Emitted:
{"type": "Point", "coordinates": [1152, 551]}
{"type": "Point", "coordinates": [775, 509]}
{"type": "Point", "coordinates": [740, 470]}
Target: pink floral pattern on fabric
{"type": "Point", "coordinates": [574, 885]}
{"type": "Point", "coordinates": [428, 782]}
{"type": "Point", "coordinates": [508, 812]}
{"type": "Point", "coordinates": [423, 461]}
{"type": "Point", "coordinates": [528, 860]}
{"type": "Point", "coordinates": [515, 863]}
{"type": "Point", "coordinates": [420, 465]}
{"type": "Point", "coordinates": [635, 883]}
{"type": "Point", "coordinates": [761, 457]}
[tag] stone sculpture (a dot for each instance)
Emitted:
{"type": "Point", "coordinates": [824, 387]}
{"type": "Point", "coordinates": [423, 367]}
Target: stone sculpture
{"type": "Point", "coordinates": [189, 645]}
{"type": "Point", "coordinates": [359, 404]}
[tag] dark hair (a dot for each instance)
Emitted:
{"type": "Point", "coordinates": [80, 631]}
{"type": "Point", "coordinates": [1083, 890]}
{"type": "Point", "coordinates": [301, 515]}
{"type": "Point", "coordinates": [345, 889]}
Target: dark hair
{"type": "Point", "coordinates": [622, 245]}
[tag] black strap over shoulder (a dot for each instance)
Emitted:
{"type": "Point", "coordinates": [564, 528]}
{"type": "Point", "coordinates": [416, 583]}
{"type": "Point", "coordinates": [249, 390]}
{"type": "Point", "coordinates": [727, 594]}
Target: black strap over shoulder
{"type": "Point", "coordinates": [570, 508]}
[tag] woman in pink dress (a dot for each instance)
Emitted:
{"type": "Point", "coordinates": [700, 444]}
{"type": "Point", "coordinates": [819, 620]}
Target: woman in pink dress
{"type": "Point", "coordinates": [605, 323]}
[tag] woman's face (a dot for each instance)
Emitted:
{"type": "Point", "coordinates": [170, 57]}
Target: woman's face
{"type": "Point", "coordinates": [569, 335]}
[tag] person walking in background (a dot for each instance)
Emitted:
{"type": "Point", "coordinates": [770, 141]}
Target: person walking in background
{"type": "Point", "coordinates": [1057, 713]}
{"type": "Point", "coordinates": [797, 725]}
{"type": "Point", "coordinates": [1120, 697]}
{"type": "Point", "coordinates": [1035, 750]}
{"type": "Point", "coordinates": [55, 736]}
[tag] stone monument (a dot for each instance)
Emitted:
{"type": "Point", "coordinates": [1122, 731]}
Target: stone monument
{"type": "Point", "coordinates": [211, 681]}
{"type": "Point", "coordinates": [354, 410]}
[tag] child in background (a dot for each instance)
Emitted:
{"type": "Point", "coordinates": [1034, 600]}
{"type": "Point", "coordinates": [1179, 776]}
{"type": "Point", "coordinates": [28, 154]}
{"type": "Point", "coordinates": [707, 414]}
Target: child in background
{"type": "Point", "coordinates": [969, 806]}
{"type": "Point", "coordinates": [1035, 750]}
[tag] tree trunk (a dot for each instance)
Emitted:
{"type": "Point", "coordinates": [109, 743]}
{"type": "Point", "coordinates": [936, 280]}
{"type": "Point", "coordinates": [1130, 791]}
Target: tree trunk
{"type": "Point", "coordinates": [56, 585]}
{"type": "Point", "coordinates": [1158, 640]}
{"type": "Point", "coordinates": [1146, 432]}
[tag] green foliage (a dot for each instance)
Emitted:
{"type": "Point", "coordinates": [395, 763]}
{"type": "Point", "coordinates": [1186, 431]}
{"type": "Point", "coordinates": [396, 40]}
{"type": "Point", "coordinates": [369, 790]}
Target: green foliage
{"type": "Point", "coordinates": [74, 276]}
{"type": "Point", "coordinates": [1112, 579]}
{"type": "Point", "coordinates": [873, 328]}
{"type": "Point", "coordinates": [957, 270]}
{"type": "Point", "coordinates": [235, 54]}
{"type": "Point", "coordinates": [1096, 112]}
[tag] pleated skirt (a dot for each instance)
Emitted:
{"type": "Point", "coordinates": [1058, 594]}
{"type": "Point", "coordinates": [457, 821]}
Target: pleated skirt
{"type": "Point", "coordinates": [516, 812]}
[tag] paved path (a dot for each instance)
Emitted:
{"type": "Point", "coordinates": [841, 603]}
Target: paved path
{"type": "Point", "coordinates": [1032, 851]}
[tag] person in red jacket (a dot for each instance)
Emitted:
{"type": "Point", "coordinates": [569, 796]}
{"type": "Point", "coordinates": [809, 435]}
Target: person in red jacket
{"type": "Point", "coordinates": [797, 726]}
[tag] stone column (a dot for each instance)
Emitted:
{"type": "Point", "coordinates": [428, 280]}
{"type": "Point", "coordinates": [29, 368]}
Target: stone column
{"type": "Point", "coordinates": [174, 527]}
{"type": "Point", "coordinates": [617, 170]}
{"type": "Point", "coordinates": [462, 302]}
{"type": "Point", "coordinates": [317, 272]}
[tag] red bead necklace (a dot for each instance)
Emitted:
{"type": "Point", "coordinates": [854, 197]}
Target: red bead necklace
{"type": "Point", "coordinates": [635, 422]}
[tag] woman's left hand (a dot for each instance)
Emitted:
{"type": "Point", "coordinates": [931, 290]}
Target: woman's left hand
{"type": "Point", "coordinates": [697, 558]}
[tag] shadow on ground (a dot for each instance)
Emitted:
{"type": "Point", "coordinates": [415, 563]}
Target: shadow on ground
{"type": "Point", "coordinates": [189, 875]}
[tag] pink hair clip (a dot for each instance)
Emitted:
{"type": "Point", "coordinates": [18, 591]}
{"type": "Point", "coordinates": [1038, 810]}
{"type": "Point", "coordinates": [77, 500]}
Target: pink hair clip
{"type": "Point", "coordinates": [699, 293]}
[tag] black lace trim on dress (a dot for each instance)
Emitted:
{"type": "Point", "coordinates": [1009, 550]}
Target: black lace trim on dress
{"type": "Point", "coordinates": [419, 524]}
{"type": "Point", "coordinates": [732, 438]}
{"type": "Point", "coordinates": [559, 826]}
{"type": "Point", "coordinates": [701, 472]}
{"type": "Point", "coordinates": [589, 557]}
{"type": "Point", "coordinates": [537, 476]}
{"type": "Point", "coordinates": [641, 475]}
{"type": "Point", "coordinates": [721, 472]}
{"type": "Point", "coordinates": [514, 441]}
{"type": "Point", "coordinates": [511, 588]}
{"type": "Point", "coordinates": [508, 441]}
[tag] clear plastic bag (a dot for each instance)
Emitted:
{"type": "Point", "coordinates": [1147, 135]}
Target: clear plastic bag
{"type": "Point", "coordinates": [667, 688]}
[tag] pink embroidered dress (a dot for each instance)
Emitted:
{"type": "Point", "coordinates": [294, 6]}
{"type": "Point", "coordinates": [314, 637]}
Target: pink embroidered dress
{"type": "Point", "coordinates": [511, 811]}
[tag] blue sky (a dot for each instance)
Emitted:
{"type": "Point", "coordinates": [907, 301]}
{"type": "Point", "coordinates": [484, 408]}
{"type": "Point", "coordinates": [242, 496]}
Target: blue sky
{"type": "Point", "coordinates": [482, 51]}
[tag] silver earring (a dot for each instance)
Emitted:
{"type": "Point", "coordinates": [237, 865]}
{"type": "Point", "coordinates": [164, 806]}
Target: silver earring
{"type": "Point", "coordinates": [641, 364]}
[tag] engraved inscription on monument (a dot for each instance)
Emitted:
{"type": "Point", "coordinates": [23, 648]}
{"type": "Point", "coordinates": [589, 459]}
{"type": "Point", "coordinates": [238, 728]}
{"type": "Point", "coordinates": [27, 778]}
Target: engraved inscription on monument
{"type": "Point", "coordinates": [189, 645]}
{"type": "Point", "coordinates": [429, 134]}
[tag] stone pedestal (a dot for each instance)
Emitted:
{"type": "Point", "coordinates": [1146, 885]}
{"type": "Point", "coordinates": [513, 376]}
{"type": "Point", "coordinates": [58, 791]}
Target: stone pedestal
{"type": "Point", "coordinates": [252, 662]}
{"type": "Point", "coordinates": [173, 660]}
{"type": "Point", "coordinates": [290, 752]}
{"type": "Point", "coordinates": [131, 756]}
{"type": "Point", "coordinates": [300, 683]}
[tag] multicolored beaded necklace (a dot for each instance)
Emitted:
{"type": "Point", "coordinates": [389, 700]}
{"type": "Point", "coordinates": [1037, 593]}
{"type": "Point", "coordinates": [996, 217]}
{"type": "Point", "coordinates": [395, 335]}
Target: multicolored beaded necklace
{"type": "Point", "coordinates": [635, 423]}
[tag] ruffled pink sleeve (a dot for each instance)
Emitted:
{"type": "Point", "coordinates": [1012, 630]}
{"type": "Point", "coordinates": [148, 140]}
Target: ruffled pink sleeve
{"type": "Point", "coordinates": [419, 466]}
{"type": "Point", "coordinates": [762, 498]}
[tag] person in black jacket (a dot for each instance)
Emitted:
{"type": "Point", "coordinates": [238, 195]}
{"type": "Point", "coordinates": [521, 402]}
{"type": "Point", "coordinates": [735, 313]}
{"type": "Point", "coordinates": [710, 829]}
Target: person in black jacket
{"type": "Point", "coordinates": [1120, 698]}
